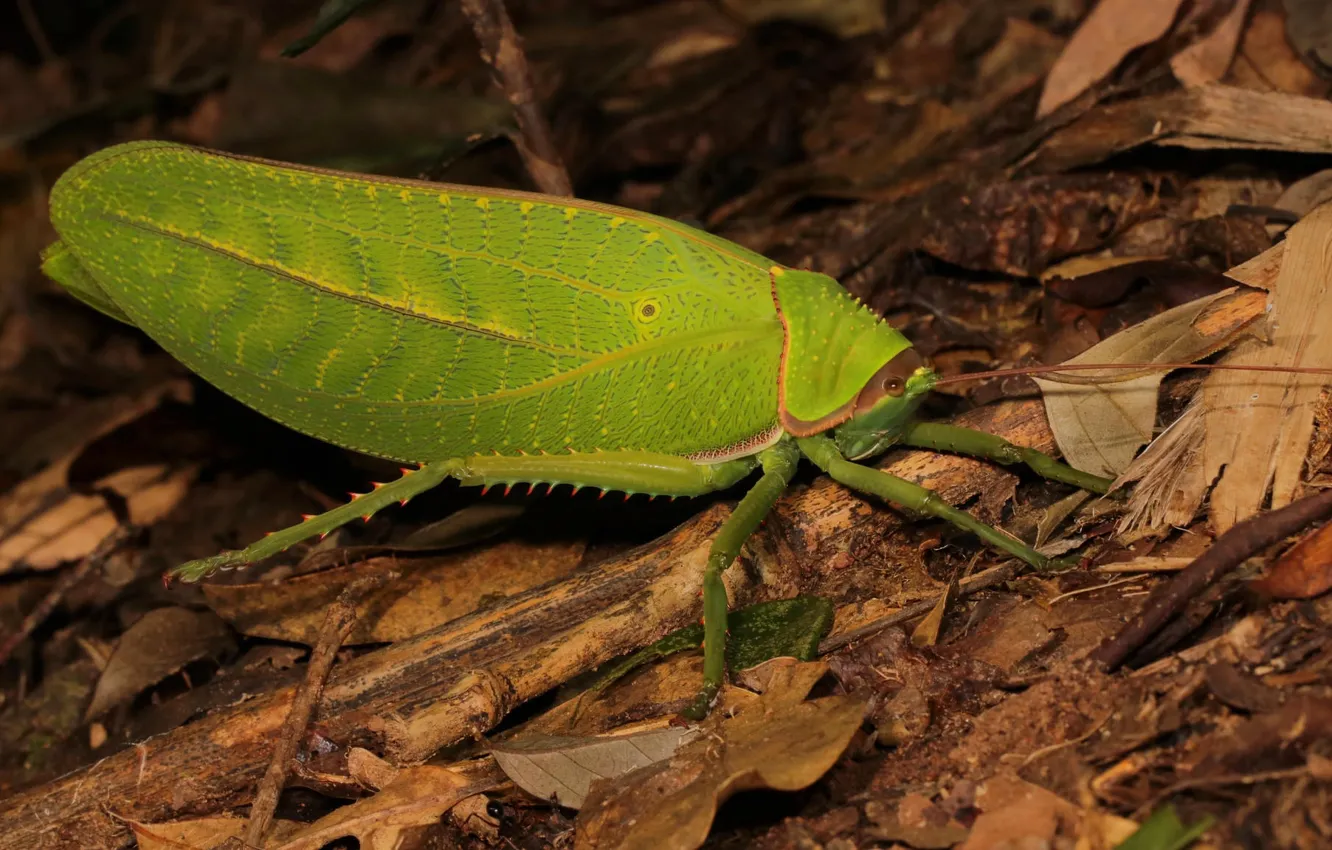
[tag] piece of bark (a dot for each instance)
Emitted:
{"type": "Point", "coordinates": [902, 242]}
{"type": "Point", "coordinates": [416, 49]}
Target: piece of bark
{"type": "Point", "coordinates": [459, 680]}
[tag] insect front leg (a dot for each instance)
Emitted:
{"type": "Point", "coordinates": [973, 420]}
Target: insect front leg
{"type": "Point", "coordinates": [779, 465]}
{"type": "Point", "coordinates": [951, 438]}
{"type": "Point", "coordinates": [890, 488]}
{"type": "Point", "coordinates": [412, 483]}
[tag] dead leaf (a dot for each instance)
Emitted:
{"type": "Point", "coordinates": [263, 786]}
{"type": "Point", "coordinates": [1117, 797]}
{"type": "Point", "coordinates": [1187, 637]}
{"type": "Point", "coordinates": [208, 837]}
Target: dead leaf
{"type": "Point", "coordinates": [1309, 29]}
{"type": "Point", "coordinates": [157, 645]}
{"type": "Point", "coordinates": [1266, 60]}
{"type": "Point", "coordinates": [63, 443]}
{"type": "Point", "coordinates": [417, 796]}
{"type": "Point", "coordinates": [1258, 427]}
{"type": "Point", "coordinates": [561, 768]}
{"type": "Point", "coordinates": [1207, 59]}
{"type": "Point", "coordinates": [71, 528]}
{"type": "Point", "coordinates": [926, 632]}
{"type": "Point", "coordinates": [778, 742]}
{"type": "Point", "coordinates": [1302, 572]}
{"type": "Point", "coordinates": [1099, 428]}
{"type": "Point", "coordinates": [1112, 30]}
{"type": "Point", "coordinates": [1306, 193]}
{"type": "Point", "coordinates": [431, 591]}
{"type": "Point", "coordinates": [201, 833]}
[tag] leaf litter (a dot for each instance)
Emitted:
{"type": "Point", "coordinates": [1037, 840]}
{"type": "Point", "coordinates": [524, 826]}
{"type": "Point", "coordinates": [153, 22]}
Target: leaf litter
{"type": "Point", "coordinates": [893, 145]}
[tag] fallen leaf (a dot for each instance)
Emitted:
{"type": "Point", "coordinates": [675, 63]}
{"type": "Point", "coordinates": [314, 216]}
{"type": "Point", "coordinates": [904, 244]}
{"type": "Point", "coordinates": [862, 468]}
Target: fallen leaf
{"type": "Point", "coordinates": [1165, 831]}
{"type": "Point", "coordinates": [1112, 30]}
{"type": "Point", "coordinates": [63, 443]}
{"type": "Point", "coordinates": [1099, 428]}
{"type": "Point", "coordinates": [778, 742]}
{"type": "Point", "coordinates": [158, 644]}
{"type": "Point", "coordinates": [417, 796]}
{"type": "Point", "coordinates": [1309, 29]}
{"type": "Point", "coordinates": [434, 590]}
{"type": "Point", "coordinates": [782, 627]}
{"type": "Point", "coordinates": [1207, 59]}
{"type": "Point", "coordinates": [1303, 571]}
{"type": "Point", "coordinates": [1306, 193]}
{"type": "Point", "coordinates": [72, 527]}
{"type": "Point", "coordinates": [561, 769]}
{"type": "Point", "coordinates": [202, 833]}
{"type": "Point", "coordinates": [1267, 62]}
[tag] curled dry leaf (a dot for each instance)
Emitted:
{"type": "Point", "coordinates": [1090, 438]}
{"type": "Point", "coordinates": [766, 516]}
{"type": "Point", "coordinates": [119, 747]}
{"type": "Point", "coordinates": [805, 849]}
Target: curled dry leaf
{"type": "Point", "coordinates": [1100, 427]}
{"type": "Point", "coordinates": [1112, 30]}
{"type": "Point", "coordinates": [201, 833]}
{"type": "Point", "coordinates": [1303, 572]}
{"type": "Point", "coordinates": [417, 796]}
{"type": "Point", "coordinates": [1207, 59]}
{"type": "Point", "coordinates": [157, 645]}
{"type": "Point", "coordinates": [73, 526]}
{"type": "Point", "coordinates": [24, 527]}
{"type": "Point", "coordinates": [778, 742]}
{"type": "Point", "coordinates": [432, 591]}
{"type": "Point", "coordinates": [562, 768]}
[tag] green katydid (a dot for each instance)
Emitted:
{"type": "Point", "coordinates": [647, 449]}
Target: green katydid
{"type": "Point", "coordinates": [499, 337]}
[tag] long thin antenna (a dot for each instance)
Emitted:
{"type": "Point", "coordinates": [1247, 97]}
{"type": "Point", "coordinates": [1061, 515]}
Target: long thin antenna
{"type": "Point", "coordinates": [1142, 368]}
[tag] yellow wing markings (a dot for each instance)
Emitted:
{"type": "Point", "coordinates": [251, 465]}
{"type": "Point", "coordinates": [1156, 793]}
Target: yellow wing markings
{"type": "Point", "coordinates": [756, 332]}
{"type": "Point", "coordinates": [736, 252]}
{"type": "Point", "coordinates": [274, 268]}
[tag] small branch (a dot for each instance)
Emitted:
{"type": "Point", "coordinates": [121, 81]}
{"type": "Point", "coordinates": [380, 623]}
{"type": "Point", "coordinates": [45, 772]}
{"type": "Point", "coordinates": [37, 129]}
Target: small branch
{"type": "Point", "coordinates": [94, 561]}
{"type": "Point", "coordinates": [503, 51]}
{"type": "Point", "coordinates": [1229, 551]}
{"type": "Point", "coordinates": [338, 623]}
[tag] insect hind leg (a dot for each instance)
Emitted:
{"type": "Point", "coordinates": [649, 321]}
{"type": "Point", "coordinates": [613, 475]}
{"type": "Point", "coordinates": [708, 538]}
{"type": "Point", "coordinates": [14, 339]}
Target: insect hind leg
{"type": "Point", "coordinates": [412, 483]}
{"type": "Point", "coordinates": [629, 471]}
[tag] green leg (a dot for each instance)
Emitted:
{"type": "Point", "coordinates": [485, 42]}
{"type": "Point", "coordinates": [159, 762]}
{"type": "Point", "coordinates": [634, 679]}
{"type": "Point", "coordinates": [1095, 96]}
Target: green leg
{"type": "Point", "coordinates": [824, 453]}
{"type": "Point", "coordinates": [951, 438]}
{"type": "Point", "coordinates": [632, 472]}
{"type": "Point", "coordinates": [779, 465]}
{"type": "Point", "coordinates": [411, 483]}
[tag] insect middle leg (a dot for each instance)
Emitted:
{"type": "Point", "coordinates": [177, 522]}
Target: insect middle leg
{"type": "Point", "coordinates": [951, 438]}
{"type": "Point", "coordinates": [914, 497]}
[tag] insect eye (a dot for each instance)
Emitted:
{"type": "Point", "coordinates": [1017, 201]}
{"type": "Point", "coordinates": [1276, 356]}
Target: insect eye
{"type": "Point", "coordinates": [894, 387]}
{"type": "Point", "coordinates": [495, 810]}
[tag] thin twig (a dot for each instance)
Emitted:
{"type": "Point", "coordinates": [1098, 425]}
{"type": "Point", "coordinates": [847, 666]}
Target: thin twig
{"type": "Point", "coordinates": [503, 51]}
{"type": "Point", "coordinates": [33, 25]}
{"type": "Point", "coordinates": [1229, 551]}
{"type": "Point", "coordinates": [94, 561]}
{"type": "Point", "coordinates": [338, 623]}
{"type": "Point", "coordinates": [966, 587]}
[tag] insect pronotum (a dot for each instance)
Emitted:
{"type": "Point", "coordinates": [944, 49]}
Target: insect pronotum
{"type": "Point", "coordinates": [502, 338]}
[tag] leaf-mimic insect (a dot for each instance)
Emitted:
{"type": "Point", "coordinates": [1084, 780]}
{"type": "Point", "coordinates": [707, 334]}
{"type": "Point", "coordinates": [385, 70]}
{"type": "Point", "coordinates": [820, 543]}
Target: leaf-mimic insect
{"type": "Point", "coordinates": [501, 338]}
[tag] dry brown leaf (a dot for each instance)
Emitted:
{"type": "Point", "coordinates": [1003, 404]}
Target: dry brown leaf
{"type": "Point", "coordinates": [1099, 428]}
{"type": "Point", "coordinates": [417, 796]}
{"type": "Point", "coordinates": [1258, 426]}
{"type": "Point", "coordinates": [431, 591]}
{"type": "Point", "coordinates": [1303, 572]}
{"type": "Point", "coordinates": [157, 645]}
{"type": "Point", "coordinates": [64, 442]}
{"type": "Point", "coordinates": [202, 833]}
{"type": "Point", "coordinates": [72, 527]}
{"type": "Point", "coordinates": [779, 742]}
{"type": "Point", "coordinates": [1207, 59]}
{"type": "Point", "coordinates": [562, 768]}
{"type": "Point", "coordinates": [1266, 60]}
{"type": "Point", "coordinates": [1306, 193]}
{"type": "Point", "coordinates": [1112, 30]}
